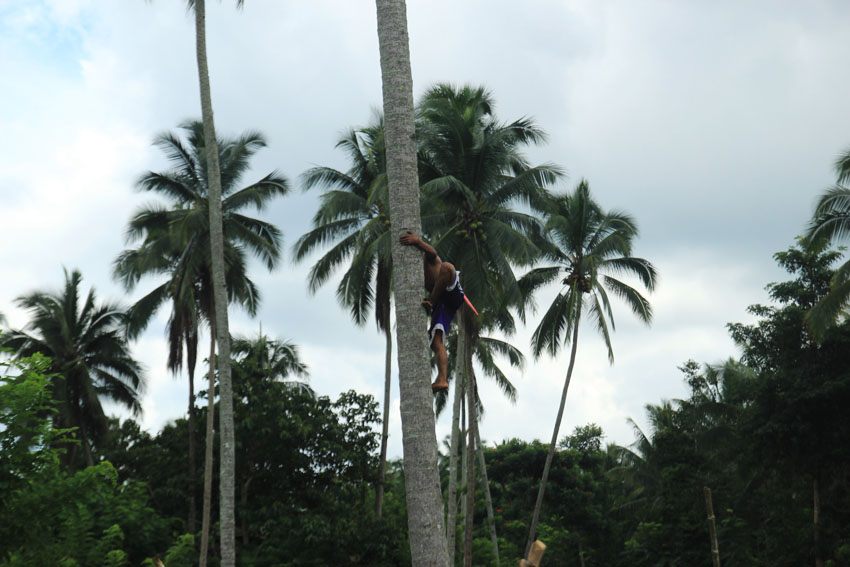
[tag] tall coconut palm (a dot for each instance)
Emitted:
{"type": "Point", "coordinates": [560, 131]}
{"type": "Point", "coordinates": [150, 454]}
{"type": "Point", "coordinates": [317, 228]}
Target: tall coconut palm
{"type": "Point", "coordinates": [421, 475]}
{"type": "Point", "coordinates": [222, 327]}
{"type": "Point", "coordinates": [174, 243]}
{"type": "Point", "coordinates": [831, 223]}
{"type": "Point", "coordinates": [475, 179]}
{"type": "Point", "coordinates": [355, 214]}
{"type": "Point", "coordinates": [89, 354]}
{"type": "Point", "coordinates": [589, 244]}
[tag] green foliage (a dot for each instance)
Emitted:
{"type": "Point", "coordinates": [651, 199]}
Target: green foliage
{"type": "Point", "coordinates": [49, 516]}
{"type": "Point", "coordinates": [182, 553]}
{"type": "Point", "coordinates": [26, 435]}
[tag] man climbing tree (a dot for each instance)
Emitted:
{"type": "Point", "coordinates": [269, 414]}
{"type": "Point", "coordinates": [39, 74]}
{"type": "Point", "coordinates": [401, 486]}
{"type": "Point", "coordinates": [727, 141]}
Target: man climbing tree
{"type": "Point", "coordinates": [442, 281]}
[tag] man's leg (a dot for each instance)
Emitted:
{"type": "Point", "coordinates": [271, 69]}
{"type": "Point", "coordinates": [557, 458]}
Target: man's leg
{"type": "Point", "coordinates": [439, 348]}
{"type": "Point", "coordinates": [445, 278]}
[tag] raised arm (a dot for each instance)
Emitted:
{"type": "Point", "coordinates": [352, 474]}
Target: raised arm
{"type": "Point", "coordinates": [411, 239]}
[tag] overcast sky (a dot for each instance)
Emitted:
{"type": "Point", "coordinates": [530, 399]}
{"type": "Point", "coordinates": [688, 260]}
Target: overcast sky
{"type": "Point", "coordinates": [715, 124]}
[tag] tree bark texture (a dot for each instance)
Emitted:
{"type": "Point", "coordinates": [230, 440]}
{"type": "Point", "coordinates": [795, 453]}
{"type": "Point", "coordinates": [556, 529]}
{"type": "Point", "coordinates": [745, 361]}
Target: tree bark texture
{"type": "Point", "coordinates": [422, 480]}
{"type": "Point", "coordinates": [382, 467]}
{"type": "Point", "coordinates": [451, 503]}
{"type": "Point", "coordinates": [532, 532]}
{"type": "Point", "coordinates": [227, 451]}
{"type": "Point", "coordinates": [208, 454]}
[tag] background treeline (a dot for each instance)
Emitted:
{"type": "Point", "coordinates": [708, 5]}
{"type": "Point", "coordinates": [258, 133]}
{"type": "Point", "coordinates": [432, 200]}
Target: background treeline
{"type": "Point", "coordinates": [767, 433]}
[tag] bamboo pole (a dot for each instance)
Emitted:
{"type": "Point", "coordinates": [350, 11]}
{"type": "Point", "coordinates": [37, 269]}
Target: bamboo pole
{"type": "Point", "coordinates": [712, 528]}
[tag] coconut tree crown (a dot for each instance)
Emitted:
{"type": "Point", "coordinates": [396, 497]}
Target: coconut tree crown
{"type": "Point", "coordinates": [89, 354]}
{"type": "Point", "coordinates": [830, 223]}
{"type": "Point", "coordinates": [175, 238]}
{"type": "Point", "coordinates": [354, 216]}
{"type": "Point", "coordinates": [589, 247]}
{"type": "Point", "coordinates": [477, 187]}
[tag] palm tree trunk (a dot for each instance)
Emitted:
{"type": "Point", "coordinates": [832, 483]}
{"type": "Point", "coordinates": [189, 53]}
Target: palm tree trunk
{"type": "Point", "coordinates": [190, 525]}
{"type": "Point", "coordinates": [422, 477]}
{"type": "Point", "coordinates": [451, 504]}
{"type": "Point", "coordinates": [472, 420]}
{"type": "Point", "coordinates": [382, 466]}
{"type": "Point", "coordinates": [84, 437]}
{"type": "Point", "coordinates": [191, 340]}
{"type": "Point", "coordinates": [464, 461]}
{"type": "Point", "coordinates": [488, 499]}
{"type": "Point", "coordinates": [536, 517]}
{"type": "Point", "coordinates": [208, 455]}
{"type": "Point", "coordinates": [227, 452]}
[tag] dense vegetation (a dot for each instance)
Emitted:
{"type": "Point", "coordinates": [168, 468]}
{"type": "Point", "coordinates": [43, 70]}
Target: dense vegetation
{"type": "Point", "coordinates": [766, 433]}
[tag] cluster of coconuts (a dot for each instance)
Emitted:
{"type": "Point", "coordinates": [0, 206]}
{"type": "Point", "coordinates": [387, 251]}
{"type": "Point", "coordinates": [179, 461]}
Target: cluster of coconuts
{"type": "Point", "coordinates": [475, 229]}
{"type": "Point", "coordinates": [574, 278]}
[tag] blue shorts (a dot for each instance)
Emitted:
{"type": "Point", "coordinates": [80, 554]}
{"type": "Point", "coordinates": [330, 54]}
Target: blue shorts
{"type": "Point", "coordinates": [445, 309]}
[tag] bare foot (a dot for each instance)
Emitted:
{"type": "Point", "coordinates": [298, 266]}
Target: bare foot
{"type": "Point", "coordinates": [439, 385]}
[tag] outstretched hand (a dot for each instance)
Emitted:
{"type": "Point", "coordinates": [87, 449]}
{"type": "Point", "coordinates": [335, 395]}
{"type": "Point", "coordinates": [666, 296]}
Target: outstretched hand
{"type": "Point", "coordinates": [408, 239]}
{"type": "Point", "coordinates": [426, 303]}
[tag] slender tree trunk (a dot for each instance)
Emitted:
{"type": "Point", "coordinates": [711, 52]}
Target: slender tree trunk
{"type": "Point", "coordinates": [488, 499]}
{"type": "Point", "coordinates": [451, 504]}
{"type": "Point", "coordinates": [84, 436]}
{"type": "Point", "coordinates": [580, 552]}
{"type": "Point", "coordinates": [382, 466]}
{"type": "Point", "coordinates": [464, 461]}
{"type": "Point", "coordinates": [227, 455]}
{"type": "Point", "coordinates": [422, 478]}
{"type": "Point", "coordinates": [536, 517]}
{"type": "Point", "coordinates": [816, 521]}
{"type": "Point", "coordinates": [208, 454]}
{"type": "Point", "coordinates": [712, 527]}
{"type": "Point", "coordinates": [191, 524]}
{"type": "Point", "coordinates": [472, 419]}
{"type": "Point", "coordinates": [246, 541]}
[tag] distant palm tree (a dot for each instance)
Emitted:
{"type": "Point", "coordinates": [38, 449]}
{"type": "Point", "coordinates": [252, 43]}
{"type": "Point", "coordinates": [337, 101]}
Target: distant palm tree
{"type": "Point", "coordinates": [175, 243]}
{"type": "Point", "coordinates": [638, 466]}
{"type": "Point", "coordinates": [275, 359]}
{"type": "Point", "coordinates": [89, 354]}
{"type": "Point", "coordinates": [588, 242]}
{"type": "Point", "coordinates": [355, 214]}
{"type": "Point", "coordinates": [474, 182]}
{"type": "Point", "coordinates": [831, 223]}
